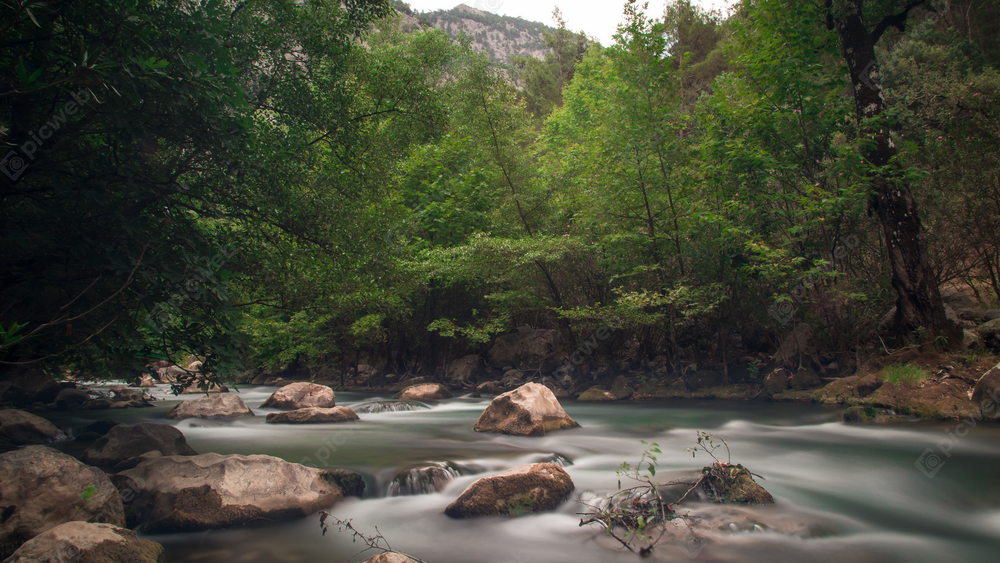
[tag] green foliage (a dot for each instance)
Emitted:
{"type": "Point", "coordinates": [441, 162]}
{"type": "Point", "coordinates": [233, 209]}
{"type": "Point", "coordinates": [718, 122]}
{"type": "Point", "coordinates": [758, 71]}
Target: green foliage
{"type": "Point", "coordinates": [903, 375]}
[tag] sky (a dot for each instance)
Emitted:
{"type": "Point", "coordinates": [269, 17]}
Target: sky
{"type": "Point", "coordinates": [598, 19]}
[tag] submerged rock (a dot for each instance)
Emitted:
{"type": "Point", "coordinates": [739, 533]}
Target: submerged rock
{"type": "Point", "coordinates": [221, 406]}
{"type": "Point", "coordinates": [389, 406]}
{"type": "Point", "coordinates": [422, 478]}
{"type": "Point", "coordinates": [90, 543]}
{"type": "Point", "coordinates": [424, 392]}
{"type": "Point", "coordinates": [312, 415]}
{"type": "Point", "coordinates": [212, 491]}
{"type": "Point", "coordinates": [123, 443]}
{"type": "Point", "coordinates": [528, 488]}
{"type": "Point", "coordinates": [529, 410]}
{"type": "Point", "coordinates": [300, 395]}
{"type": "Point", "coordinates": [43, 488]}
{"type": "Point", "coordinates": [24, 428]}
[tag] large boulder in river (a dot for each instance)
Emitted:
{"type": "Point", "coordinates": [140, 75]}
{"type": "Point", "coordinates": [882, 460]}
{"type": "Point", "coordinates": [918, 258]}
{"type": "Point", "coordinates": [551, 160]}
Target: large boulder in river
{"type": "Point", "coordinates": [123, 443]}
{"type": "Point", "coordinates": [424, 392]}
{"type": "Point", "coordinates": [313, 415]}
{"type": "Point", "coordinates": [42, 488]}
{"type": "Point", "coordinates": [532, 487]}
{"type": "Point", "coordinates": [528, 349]}
{"type": "Point", "coordinates": [82, 542]}
{"type": "Point", "coordinates": [212, 491]}
{"type": "Point", "coordinates": [529, 410]}
{"type": "Point", "coordinates": [300, 395]}
{"type": "Point", "coordinates": [221, 406]}
{"type": "Point", "coordinates": [25, 428]}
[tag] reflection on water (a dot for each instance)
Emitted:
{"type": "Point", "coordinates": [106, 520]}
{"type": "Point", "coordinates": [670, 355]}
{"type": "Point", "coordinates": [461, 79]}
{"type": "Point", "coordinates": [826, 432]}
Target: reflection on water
{"type": "Point", "coordinates": [844, 493]}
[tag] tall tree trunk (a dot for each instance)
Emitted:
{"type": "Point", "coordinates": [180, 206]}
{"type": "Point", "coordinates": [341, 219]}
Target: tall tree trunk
{"type": "Point", "coordinates": [918, 302]}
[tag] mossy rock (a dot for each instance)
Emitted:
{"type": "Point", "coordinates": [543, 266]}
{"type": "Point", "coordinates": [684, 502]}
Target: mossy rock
{"type": "Point", "coordinates": [790, 396]}
{"type": "Point", "coordinates": [621, 389]}
{"type": "Point", "coordinates": [596, 395]}
{"type": "Point", "coordinates": [733, 483]}
{"type": "Point", "coordinates": [859, 414]}
{"type": "Point", "coordinates": [840, 392]}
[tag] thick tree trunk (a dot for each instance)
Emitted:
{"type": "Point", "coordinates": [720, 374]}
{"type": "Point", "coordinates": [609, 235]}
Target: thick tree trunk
{"type": "Point", "coordinates": [918, 302]}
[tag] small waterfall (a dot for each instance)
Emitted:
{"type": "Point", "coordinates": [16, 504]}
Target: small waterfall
{"type": "Point", "coordinates": [558, 459]}
{"type": "Point", "coordinates": [422, 479]}
{"type": "Point", "coordinates": [389, 406]}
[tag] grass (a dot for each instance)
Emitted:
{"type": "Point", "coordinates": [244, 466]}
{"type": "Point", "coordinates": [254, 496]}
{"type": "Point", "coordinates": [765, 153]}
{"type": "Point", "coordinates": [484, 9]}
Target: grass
{"type": "Point", "coordinates": [903, 375]}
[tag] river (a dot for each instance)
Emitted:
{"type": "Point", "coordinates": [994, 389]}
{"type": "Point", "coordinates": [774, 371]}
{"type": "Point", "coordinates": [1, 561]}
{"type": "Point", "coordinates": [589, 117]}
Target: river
{"type": "Point", "coordinates": [843, 492]}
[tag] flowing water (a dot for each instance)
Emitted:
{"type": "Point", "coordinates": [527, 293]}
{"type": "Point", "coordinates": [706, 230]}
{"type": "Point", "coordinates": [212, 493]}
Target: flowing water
{"type": "Point", "coordinates": [844, 493]}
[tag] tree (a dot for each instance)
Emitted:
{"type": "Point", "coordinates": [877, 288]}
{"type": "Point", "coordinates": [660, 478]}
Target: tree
{"type": "Point", "coordinates": [918, 302]}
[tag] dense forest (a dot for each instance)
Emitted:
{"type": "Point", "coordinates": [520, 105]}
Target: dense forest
{"type": "Point", "coordinates": [303, 188]}
{"type": "Point", "coordinates": [465, 288]}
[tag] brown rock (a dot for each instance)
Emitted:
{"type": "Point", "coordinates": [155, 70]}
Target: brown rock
{"type": "Point", "coordinates": [868, 384]}
{"type": "Point", "coordinates": [300, 395]}
{"type": "Point", "coordinates": [529, 410]}
{"type": "Point", "coordinates": [42, 488]}
{"type": "Point", "coordinates": [424, 392]}
{"type": "Point", "coordinates": [532, 487]}
{"type": "Point", "coordinates": [221, 406]}
{"type": "Point", "coordinates": [90, 543]}
{"type": "Point", "coordinates": [464, 370]}
{"type": "Point", "coordinates": [312, 415]}
{"type": "Point", "coordinates": [122, 443]}
{"type": "Point", "coordinates": [212, 491]}
{"type": "Point", "coordinates": [25, 428]}
{"type": "Point", "coordinates": [776, 382]}
{"type": "Point", "coordinates": [986, 394]}
{"type": "Point", "coordinates": [389, 557]}
{"type": "Point", "coordinates": [804, 379]}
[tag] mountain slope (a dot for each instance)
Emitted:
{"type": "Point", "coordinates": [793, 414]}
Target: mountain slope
{"type": "Point", "coordinates": [500, 37]}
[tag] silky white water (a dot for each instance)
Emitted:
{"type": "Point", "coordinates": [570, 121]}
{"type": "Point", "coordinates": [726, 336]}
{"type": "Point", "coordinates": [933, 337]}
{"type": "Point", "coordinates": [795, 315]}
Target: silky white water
{"type": "Point", "coordinates": [857, 488]}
